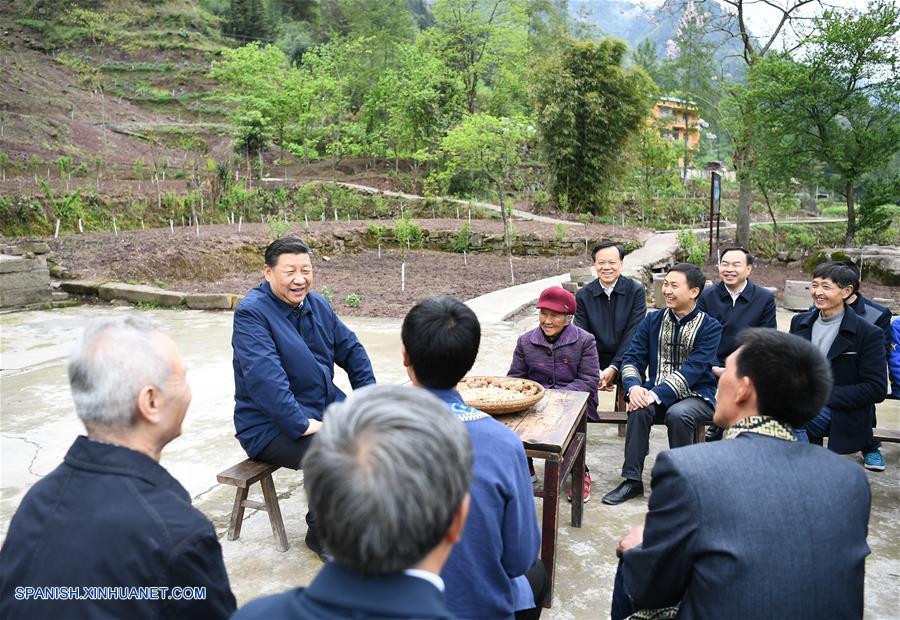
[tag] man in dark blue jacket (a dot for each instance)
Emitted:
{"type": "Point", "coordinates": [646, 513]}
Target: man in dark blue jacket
{"type": "Point", "coordinates": [676, 347]}
{"type": "Point", "coordinates": [389, 473]}
{"type": "Point", "coordinates": [736, 302]}
{"type": "Point", "coordinates": [754, 526]}
{"type": "Point", "coordinates": [855, 349]}
{"type": "Point", "coordinates": [110, 533]}
{"type": "Point", "coordinates": [286, 341]}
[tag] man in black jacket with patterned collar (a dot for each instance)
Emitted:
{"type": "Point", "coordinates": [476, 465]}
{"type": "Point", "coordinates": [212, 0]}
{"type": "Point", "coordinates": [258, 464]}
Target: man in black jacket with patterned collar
{"type": "Point", "coordinates": [110, 533]}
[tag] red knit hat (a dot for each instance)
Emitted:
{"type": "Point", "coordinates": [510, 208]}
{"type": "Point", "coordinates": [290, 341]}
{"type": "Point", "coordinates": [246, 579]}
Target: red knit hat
{"type": "Point", "coordinates": [558, 299]}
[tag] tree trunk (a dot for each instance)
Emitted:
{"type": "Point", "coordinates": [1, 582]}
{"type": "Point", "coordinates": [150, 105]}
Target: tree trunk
{"type": "Point", "coordinates": [506, 239]}
{"type": "Point", "coordinates": [745, 195]}
{"type": "Point", "coordinates": [772, 215]}
{"type": "Point", "coordinates": [849, 240]}
{"type": "Point", "coordinates": [684, 165]}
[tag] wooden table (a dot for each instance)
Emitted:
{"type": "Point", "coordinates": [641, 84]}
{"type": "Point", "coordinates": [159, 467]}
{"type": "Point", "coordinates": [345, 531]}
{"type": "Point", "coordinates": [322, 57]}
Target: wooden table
{"type": "Point", "coordinates": [555, 429]}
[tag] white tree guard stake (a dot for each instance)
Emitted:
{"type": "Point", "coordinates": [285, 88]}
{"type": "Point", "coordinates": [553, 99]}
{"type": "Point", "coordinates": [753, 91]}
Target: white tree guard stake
{"type": "Point", "coordinates": [402, 277]}
{"type": "Point", "coordinates": [142, 223]}
{"type": "Point", "coordinates": [80, 226]}
{"type": "Point", "coordinates": [56, 232]}
{"type": "Point", "coordinates": [182, 221]}
{"type": "Point", "coordinates": [172, 225]}
{"type": "Point", "coordinates": [232, 218]}
{"type": "Point", "coordinates": [240, 223]}
{"type": "Point", "coordinates": [306, 219]}
{"type": "Point", "coordinates": [335, 215]}
{"type": "Point", "coordinates": [465, 258]}
{"type": "Point", "coordinates": [115, 228]}
{"type": "Point", "coordinates": [457, 211]}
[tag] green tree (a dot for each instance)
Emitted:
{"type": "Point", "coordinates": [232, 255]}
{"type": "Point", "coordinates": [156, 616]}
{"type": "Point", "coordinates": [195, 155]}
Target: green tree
{"type": "Point", "coordinates": [689, 70]}
{"type": "Point", "coordinates": [588, 106]}
{"type": "Point", "coordinates": [840, 104]}
{"type": "Point", "coordinates": [646, 56]}
{"type": "Point", "coordinates": [651, 164]}
{"type": "Point", "coordinates": [245, 19]}
{"type": "Point", "coordinates": [484, 41]}
{"type": "Point", "coordinates": [297, 10]}
{"type": "Point", "coordinates": [259, 80]}
{"type": "Point", "coordinates": [413, 104]}
{"type": "Point", "coordinates": [755, 45]}
{"type": "Point", "coordinates": [251, 139]}
{"type": "Point", "coordinates": [489, 147]}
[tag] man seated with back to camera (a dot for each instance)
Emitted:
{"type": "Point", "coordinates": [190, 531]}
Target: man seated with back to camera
{"type": "Point", "coordinates": [755, 526]}
{"type": "Point", "coordinates": [378, 450]}
{"type": "Point", "coordinates": [495, 571]}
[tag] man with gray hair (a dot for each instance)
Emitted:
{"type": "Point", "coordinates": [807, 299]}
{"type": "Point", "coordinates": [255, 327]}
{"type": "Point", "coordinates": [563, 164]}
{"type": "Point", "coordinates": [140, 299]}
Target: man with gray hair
{"type": "Point", "coordinates": [388, 476]}
{"type": "Point", "coordinates": [110, 533]}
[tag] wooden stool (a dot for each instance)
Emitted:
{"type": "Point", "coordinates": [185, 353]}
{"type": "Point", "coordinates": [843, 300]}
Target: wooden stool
{"type": "Point", "coordinates": [243, 476]}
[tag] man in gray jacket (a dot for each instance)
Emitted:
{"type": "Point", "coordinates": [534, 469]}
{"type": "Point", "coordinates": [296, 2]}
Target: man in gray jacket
{"type": "Point", "coordinates": [775, 528]}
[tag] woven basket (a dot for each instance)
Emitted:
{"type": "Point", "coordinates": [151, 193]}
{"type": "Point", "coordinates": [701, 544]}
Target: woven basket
{"type": "Point", "coordinates": [501, 407]}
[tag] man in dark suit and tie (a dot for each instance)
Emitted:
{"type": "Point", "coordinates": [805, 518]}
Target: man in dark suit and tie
{"type": "Point", "coordinates": [388, 474]}
{"type": "Point", "coordinates": [757, 525]}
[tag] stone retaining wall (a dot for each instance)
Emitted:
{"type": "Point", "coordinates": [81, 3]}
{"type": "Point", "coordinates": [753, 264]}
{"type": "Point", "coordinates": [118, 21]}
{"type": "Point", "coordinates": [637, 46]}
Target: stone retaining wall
{"type": "Point", "coordinates": [24, 276]}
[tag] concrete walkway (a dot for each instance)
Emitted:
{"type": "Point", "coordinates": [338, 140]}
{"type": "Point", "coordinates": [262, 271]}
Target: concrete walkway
{"type": "Point", "coordinates": [525, 215]}
{"type": "Point", "coordinates": [500, 305]}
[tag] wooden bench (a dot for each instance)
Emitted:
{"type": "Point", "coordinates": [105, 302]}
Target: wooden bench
{"type": "Point", "coordinates": [886, 435]}
{"type": "Point", "coordinates": [620, 417]}
{"type": "Point", "coordinates": [244, 475]}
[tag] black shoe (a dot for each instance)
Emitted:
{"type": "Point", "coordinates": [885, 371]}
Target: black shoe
{"type": "Point", "coordinates": [316, 545]}
{"type": "Point", "coordinates": [713, 433]}
{"type": "Point", "coordinates": [627, 490]}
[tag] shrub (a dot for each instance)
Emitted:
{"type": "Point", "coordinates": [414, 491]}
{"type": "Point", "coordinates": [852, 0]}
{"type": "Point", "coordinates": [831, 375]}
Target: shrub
{"type": "Point", "coordinates": [352, 300]}
{"type": "Point", "coordinates": [461, 240]}
{"type": "Point", "coordinates": [690, 247]}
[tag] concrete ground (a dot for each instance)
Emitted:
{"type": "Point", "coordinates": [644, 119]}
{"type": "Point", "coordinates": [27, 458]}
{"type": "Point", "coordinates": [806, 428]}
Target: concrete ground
{"type": "Point", "coordinates": [37, 424]}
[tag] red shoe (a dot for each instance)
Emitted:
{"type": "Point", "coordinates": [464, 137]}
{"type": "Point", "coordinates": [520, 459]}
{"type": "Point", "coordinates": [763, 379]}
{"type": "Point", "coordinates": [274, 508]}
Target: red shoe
{"type": "Point", "coordinates": [587, 488]}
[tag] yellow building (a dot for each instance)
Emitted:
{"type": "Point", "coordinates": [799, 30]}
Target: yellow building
{"type": "Point", "coordinates": [674, 117]}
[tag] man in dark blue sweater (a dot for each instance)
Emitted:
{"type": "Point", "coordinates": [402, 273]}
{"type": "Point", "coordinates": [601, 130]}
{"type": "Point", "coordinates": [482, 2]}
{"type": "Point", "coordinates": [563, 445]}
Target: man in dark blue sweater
{"type": "Point", "coordinates": [286, 341]}
{"type": "Point", "coordinates": [494, 572]}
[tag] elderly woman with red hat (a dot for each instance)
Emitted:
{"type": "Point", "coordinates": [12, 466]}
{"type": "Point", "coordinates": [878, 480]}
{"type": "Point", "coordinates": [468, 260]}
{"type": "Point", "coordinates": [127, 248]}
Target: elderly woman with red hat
{"type": "Point", "coordinates": [558, 354]}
